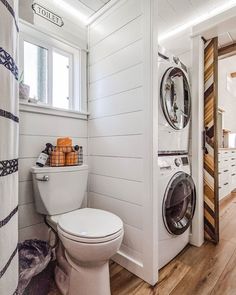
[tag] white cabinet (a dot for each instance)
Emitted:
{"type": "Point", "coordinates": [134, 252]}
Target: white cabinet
{"type": "Point", "coordinates": [233, 170]}
{"type": "Point", "coordinates": [227, 172]}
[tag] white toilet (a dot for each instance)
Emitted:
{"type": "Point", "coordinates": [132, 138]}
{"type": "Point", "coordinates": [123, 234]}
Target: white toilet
{"type": "Point", "coordinates": [88, 237]}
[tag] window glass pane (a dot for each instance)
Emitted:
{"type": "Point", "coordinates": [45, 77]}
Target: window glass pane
{"type": "Point", "coordinates": [36, 71]}
{"type": "Point", "coordinates": [61, 81]}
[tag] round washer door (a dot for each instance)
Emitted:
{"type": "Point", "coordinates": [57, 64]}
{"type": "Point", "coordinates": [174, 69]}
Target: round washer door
{"type": "Point", "coordinates": [179, 203]}
{"type": "Point", "coordinates": [175, 98]}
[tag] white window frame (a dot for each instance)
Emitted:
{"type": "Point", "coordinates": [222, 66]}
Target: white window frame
{"type": "Point", "coordinates": [76, 100]}
{"type": "Point", "coordinates": [71, 77]}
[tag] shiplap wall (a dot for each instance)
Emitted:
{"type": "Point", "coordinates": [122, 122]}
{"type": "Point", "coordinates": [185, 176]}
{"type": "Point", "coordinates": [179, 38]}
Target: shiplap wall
{"type": "Point", "coordinates": [35, 131]}
{"type": "Point", "coordinates": [119, 101]}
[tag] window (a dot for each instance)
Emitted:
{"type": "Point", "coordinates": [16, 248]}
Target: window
{"type": "Point", "coordinates": [61, 81]}
{"type": "Point", "coordinates": [48, 72]}
{"type": "Point", "coordinates": [36, 71]}
{"type": "Point", "coordinates": [53, 71]}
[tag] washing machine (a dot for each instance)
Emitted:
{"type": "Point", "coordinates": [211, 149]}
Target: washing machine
{"type": "Point", "coordinates": [174, 106]}
{"type": "Point", "coordinates": [177, 199]}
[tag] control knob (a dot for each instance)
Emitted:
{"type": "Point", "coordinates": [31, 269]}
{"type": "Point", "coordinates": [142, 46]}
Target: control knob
{"type": "Point", "coordinates": [177, 162]}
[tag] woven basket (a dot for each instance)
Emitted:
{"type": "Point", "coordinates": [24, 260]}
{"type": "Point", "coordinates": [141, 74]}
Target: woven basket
{"type": "Point", "coordinates": [57, 158]}
{"type": "Point", "coordinates": [72, 159]}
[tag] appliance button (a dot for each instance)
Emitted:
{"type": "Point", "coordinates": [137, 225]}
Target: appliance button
{"type": "Point", "coordinates": [177, 162]}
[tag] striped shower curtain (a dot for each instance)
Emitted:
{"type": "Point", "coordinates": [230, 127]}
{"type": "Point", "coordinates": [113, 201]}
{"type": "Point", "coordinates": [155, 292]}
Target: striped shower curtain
{"type": "Point", "coordinates": [8, 146]}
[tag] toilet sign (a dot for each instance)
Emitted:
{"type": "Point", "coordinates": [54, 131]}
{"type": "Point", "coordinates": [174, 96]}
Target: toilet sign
{"type": "Point", "coordinates": [47, 14]}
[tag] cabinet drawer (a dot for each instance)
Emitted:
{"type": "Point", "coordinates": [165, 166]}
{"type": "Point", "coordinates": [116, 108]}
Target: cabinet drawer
{"type": "Point", "coordinates": [225, 154]}
{"type": "Point", "coordinates": [224, 163]}
{"type": "Point", "coordinates": [233, 181]}
{"type": "Point", "coordinates": [222, 193]}
{"type": "Point", "coordinates": [224, 176]}
{"type": "Point", "coordinates": [224, 190]}
{"type": "Point", "coordinates": [233, 153]}
{"type": "Point", "coordinates": [233, 166]}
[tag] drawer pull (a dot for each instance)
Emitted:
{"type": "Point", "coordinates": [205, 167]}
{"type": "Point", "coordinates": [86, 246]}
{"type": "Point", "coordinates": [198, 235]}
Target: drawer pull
{"type": "Point", "coordinates": [219, 173]}
{"type": "Point", "coordinates": [226, 170]}
{"type": "Point", "coordinates": [226, 183]}
{"type": "Point", "coordinates": [220, 187]}
{"type": "Point", "coordinates": [233, 165]}
{"type": "Point", "coordinates": [233, 174]}
{"type": "Point", "coordinates": [226, 160]}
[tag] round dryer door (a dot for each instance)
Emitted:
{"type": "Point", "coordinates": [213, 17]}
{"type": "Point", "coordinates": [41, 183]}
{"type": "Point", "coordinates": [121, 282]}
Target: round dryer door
{"type": "Point", "coordinates": [176, 98]}
{"type": "Point", "coordinates": [179, 203]}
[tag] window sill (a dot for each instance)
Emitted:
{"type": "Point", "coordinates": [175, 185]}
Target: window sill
{"type": "Point", "coordinates": [48, 110]}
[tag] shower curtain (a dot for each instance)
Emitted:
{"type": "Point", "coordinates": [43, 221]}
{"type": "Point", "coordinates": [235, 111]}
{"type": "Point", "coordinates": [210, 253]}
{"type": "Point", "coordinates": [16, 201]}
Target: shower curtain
{"type": "Point", "coordinates": [9, 122]}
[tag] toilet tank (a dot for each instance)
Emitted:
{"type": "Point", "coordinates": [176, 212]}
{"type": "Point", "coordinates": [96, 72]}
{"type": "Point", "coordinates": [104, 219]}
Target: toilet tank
{"type": "Point", "coordinates": [59, 190]}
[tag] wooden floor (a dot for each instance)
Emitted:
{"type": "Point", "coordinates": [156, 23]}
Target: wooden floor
{"type": "Point", "coordinates": [196, 271]}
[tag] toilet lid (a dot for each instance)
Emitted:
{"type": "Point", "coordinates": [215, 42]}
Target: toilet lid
{"type": "Point", "coordinates": [90, 223]}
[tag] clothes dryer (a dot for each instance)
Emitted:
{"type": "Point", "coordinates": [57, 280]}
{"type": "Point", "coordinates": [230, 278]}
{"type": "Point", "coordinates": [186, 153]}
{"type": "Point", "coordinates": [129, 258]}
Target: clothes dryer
{"type": "Point", "coordinates": [174, 106]}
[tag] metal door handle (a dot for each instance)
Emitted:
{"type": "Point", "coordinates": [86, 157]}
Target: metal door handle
{"type": "Point", "coordinates": [44, 178]}
{"type": "Point", "coordinates": [204, 140]}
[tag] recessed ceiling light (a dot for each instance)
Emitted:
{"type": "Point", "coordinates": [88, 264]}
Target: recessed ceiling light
{"type": "Point", "coordinates": [198, 20]}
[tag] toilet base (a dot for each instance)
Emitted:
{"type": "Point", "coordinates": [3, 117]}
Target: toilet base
{"type": "Point", "coordinates": [73, 279]}
{"type": "Point", "coordinates": [87, 280]}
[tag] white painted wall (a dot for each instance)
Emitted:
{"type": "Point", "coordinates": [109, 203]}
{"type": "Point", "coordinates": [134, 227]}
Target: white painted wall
{"type": "Point", "coordinates": [122, 148]}
{"type": "Point", "coordinates": [36, 129]}
{"type": "Point", "coordinates": [227, 98]}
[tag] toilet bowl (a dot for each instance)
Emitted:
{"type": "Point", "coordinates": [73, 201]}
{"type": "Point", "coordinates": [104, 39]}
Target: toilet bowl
{"type": "Point", "coordinates": [88, 237]}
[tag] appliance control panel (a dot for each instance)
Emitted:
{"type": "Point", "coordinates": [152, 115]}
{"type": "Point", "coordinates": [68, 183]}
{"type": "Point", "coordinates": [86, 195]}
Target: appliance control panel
{"type": "Point", "coordinates": [167, 164]}
{"type": "Point", "coordinates": [164, 164]}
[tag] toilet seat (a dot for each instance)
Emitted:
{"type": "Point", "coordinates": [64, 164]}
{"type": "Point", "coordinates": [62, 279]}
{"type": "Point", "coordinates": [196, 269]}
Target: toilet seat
{"type": "Point", "coordinates": [90, 240]}
{"type": "Point", "coordinates": [90, 226]}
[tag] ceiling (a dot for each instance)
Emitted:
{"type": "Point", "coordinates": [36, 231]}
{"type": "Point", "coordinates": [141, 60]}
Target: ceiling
{"type": "Point", "coordinates": [93, 5]}
{"type": "Point", "coordinates": [175, 13]}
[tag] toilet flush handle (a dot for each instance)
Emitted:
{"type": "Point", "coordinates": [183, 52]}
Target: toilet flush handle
{"type": "Point", "coordinates": [44, 178]}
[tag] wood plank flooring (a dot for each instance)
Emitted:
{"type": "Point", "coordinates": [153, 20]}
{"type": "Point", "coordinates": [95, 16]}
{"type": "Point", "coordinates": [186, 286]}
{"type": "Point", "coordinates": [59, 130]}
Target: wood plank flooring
{"type": "Point", "coordinates": [195, 271]}
{"type": "Point", "coordinates": [209, 270]}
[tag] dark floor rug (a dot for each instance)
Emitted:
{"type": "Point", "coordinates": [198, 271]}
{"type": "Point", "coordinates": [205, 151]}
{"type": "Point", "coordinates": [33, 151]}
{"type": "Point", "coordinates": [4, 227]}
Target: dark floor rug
{"type": "Point", "coordinates": [43, 283]}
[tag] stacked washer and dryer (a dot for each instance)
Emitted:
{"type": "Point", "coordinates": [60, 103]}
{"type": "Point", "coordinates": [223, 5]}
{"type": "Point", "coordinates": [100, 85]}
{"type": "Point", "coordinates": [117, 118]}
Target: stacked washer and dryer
{"type": "Point", "coordinates": [177, 196]}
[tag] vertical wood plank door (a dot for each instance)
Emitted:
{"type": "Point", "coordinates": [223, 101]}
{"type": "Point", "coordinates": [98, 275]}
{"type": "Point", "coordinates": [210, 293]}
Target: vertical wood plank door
{"type": "Point", "coordinates": [211, 194]}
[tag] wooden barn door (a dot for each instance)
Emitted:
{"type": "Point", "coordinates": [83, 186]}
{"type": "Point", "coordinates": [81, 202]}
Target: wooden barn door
{"type": "Point", "coordinates": [211, 198]}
